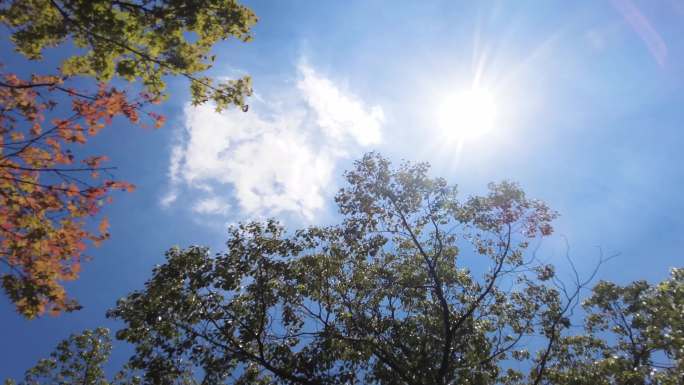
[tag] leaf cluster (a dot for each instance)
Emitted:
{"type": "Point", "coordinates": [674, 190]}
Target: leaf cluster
{"type": "Point", "coordinates": [47, 193]}
{"type": "Point", "coordinates": [143, 40]}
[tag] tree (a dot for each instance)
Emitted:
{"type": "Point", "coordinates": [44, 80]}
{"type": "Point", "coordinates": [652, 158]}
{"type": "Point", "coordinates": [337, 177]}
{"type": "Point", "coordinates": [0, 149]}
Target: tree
{"type": "Point", "coordinates": [46, 197]}
{"type": "Point", "coordinates": [633, 335]}
{"type": "Point", "coordinates": [653, 322]}
{"type": "Point", "coordinates": [387, 296]}
{"type": "Point", "coordinates": [80, 359]}
{"type": "Point", "coordinates": [76, 360]}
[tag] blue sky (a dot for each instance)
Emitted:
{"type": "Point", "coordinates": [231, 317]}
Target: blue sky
{"type": "Point", "coordinates": [589, 107]}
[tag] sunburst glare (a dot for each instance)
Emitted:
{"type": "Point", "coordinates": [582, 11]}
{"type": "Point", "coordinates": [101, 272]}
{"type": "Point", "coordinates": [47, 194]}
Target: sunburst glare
{"type": "Point", "coordinates": [467, 114]}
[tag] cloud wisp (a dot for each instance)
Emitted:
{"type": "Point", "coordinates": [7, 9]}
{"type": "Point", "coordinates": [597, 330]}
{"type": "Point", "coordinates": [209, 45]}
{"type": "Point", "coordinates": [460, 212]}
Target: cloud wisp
{"type": "Point", "coordinates": [278, 158]}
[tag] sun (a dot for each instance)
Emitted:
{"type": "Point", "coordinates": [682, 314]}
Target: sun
{"type": "Point", "coordinates": [467, 114]}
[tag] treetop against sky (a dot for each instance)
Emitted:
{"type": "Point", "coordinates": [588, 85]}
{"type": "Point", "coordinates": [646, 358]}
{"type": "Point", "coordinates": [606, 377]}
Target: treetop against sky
{"type": "Point", "coordinates": [261, 106]}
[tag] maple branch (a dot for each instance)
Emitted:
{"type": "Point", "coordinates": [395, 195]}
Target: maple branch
{"type": "Point", "coordinates": [48, 169]}
{"type": "Point", "coordinates": [83, 192]}
{"type": "Point", "coordinates": [27, 85]}
{"type": "Point", "coordinates": [28, 143]}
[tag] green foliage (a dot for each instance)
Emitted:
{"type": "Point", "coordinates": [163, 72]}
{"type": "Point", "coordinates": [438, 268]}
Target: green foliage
{"type": "Point", "coordinates": [80, 359]}
{"type": "Point", "coordinates": [142, 40]}
{"type": "Point", "coordinates": [633, 335]}
{"type": "Point", "coordinates": [384, 297]}
{"type": "Point", "coordinates": [76, 360]}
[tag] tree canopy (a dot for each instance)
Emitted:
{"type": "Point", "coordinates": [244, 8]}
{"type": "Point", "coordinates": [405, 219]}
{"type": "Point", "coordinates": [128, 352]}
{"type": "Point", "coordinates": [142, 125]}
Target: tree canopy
{"type": "Point", "coordinates": [390, 295]}
{"type": "Point", "coordinates": [136, 40]}
{"type": "Point", "coordinates": [633, 334]}
{"type": "Point", "coordinates": [78, 359]}
{"type": "Point", "coordinates": [414, 286]}
{"type": "Point", "coordinates": [48, 189]}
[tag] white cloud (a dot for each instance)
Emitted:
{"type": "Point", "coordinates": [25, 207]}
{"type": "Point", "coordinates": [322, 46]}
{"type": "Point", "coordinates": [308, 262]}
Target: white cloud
{"type": "Point", "coordinates": [169, 197]}
{"type": "Point", "coordinates": [339, 115]}
{"type": "Point", "coordinates": [212, 205]}
{"type": "Point", "coordinates": [279, 157]}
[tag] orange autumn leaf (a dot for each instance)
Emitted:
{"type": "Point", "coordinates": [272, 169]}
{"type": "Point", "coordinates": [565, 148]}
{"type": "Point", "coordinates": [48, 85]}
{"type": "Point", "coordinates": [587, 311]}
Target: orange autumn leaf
{"type": "Point", "coordinates": [46, 202]}
{"type": "Point", "coordinates": [16, 136]}
{"type": "Point", "coordinates": [104, 226]}
{"type": "Point", "coordinates": [94, 161]}
{"type": "Point", "coordinates": [36, 129]}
